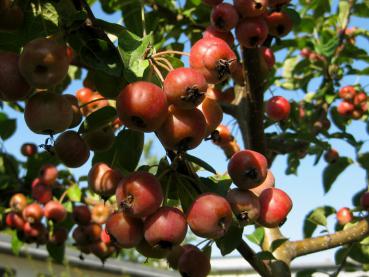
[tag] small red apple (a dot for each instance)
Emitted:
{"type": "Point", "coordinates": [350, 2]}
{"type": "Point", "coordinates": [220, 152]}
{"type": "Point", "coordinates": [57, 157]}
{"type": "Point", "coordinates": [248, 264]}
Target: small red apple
{"type": "Point", "coordinates": [278, 108]}
{"type": "Point", "coordinates": [331, 156]}
{"type": "Point", "coordinates": [344, 216]}
{"type": "Point", "coordinates": [209, 216]}
{"type": "Point", "coordinates": [275, 205]}
{"type": "Point", "coordinates": [248, 169]}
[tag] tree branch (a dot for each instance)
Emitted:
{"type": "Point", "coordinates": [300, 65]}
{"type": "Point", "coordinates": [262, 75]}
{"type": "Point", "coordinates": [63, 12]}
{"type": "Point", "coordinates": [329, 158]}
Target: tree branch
{"type": "Point", "coordinates": [249, 114]}
{"type": "Point", "coordinates": [312, 245]}
{"type": "Point", "coordinates": [249, 255]}
{"type": "Point", "coordinates": [251, 107]}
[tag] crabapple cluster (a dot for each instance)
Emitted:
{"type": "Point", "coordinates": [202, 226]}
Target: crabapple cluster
{"type": "Point", "coordinates": [39, 220]}
{"type": "Point", "coordinates": [307, 53]}
{"type": "Point", "coordinates": [89, 235]}
{"type": "Point", "coordinates": [43, 64]}
{"type": "Point", "coordinates": [256, 199]}
{"type": "Point", "coordinates": [354, 102]}
{"type": "Point", "coordinates": [182, 112]}
{"type": "Point", "coordinates": [253, 21]}
{"type": "Point", "coordinates": [141, 220]}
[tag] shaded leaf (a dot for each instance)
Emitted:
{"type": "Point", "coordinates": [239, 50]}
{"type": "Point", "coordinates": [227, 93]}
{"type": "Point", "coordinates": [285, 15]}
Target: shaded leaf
{"type": "Point", "coordinates": [332, 171]}
{"type": "Point", "coordinates": [277, 243]}
{"type": "Point", "coordinates": [306, 273]}
{"type": "Point", "coordinates": [231, 240]}
{"type": "Point", "coordinates": [200, 162]}
{"type": "Point", "coordinates": [56, 252]}
{"type": "Point", "coordinates": [217, 184]}
{"type": "Point", "coordinates": [315, 218]}
{"type": "Point", "coordinates": [265, 255]}
{"type": "Point", "coordinates": [125, 153]}
{"type": "Point", "coordinates": [98, 119]}
{"type": "Point", "coordinates": [359, 252]}
{"type": "Point", "coordinates": [187, 193]}
{"type": "Point", "coordinates": [7, 126]}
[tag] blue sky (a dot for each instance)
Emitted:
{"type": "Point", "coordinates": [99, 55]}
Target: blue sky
{"type": "Point", "coordinates": [306, 189]}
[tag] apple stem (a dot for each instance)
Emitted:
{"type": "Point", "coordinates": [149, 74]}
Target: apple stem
{"type": "Point", "coordinates": [157, 71]}
{"type": "Point", "coordinates": [164, 63]}
{"type": "Point", "coordinates": [63, 196]}
{"type": "Point", "coordinates": [169, 52]}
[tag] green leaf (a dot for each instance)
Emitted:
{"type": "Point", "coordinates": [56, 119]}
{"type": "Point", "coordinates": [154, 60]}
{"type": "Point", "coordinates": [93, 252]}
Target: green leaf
{"type": "Point", "coordinates": [207, 249]}
{"type": "Point", "coordinates": [343, 13]}
{"type": "Point", "coordinates": [364, 160]}
{"type": "Point", "coordinates": [100, 55]}
{"type": "Point", "coordinates": [35, 25]}
{"type": "Point", "coordinates": [332, 171]}
{"type": "Point", "coordinates": [56, 252]}
{"type": "Point", "coordinates": [357, 196]}
{"type": "Point", "coordinates": [129, 147]}
{"type": "Point", "coordinates": [293, 163]}
{"type": "Point", "coordinates": [16, 243]}
{"type": "Point", "coordinates": [328, 47]}
{"type": "Point", "coordinates": [132, 16]}
{"type": "Point", "coordinates": [359, 252]}
{"type": "Point", "coordinates": [265, 255]}
{"type": "Point", "coordinates": [125, 153]}
{"type": "Point", "coordinates": [74, 193]}
{"type": "Point", "coordinates": [231, 240]}
{"type": "Point", "coordinates": [347, 137]}
{"type": "Point", "coordinates": [133, 51]}
{"type": "Point", "coordinates": [107, 85]}
{"type": "Point", "coordinates": [277, 243]}
{"type": "Point", "coordinates": [7, 126]}
{"type": "Point", "coordinates": [315, 218]}
{"type": "Point", "coordinates": [98, 119]}
{"type": "Point", "coordinates": [187, 193]}
{"type": "Point", "coordinates": [361, 9]}
{"type": "Point", "coordinates": [168, 180]}
{"type": "Point", "coordinates": [195, 2]}
{"type": "Point", "coordinates": [200, 162]}
{"type": "Point", "coordinates": [9, 171]}
{"type": "Point", "coordinates": [338, 119]}
{"type": "Point", "coordinates": [293, 14]}
{"type": "Point", "coordinates": [257, 236]}
{"type": "Point", "coordinates": [218, 184]}
{"type": "Point", "coordinates": [111, 28]}
{"type": "Point", "coordinates": [340, 255]}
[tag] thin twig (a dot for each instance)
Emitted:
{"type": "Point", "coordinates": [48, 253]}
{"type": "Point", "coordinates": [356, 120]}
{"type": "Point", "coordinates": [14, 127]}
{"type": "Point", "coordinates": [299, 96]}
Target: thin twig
{"type": "Point", "coordinates": [162, 65]}
{"type": "Point", "coordinates": [63, 196]}
{"type": "Point", "coordinates": [170, 52]}
{"type": "Point", "coordinates": [339, 269]}
{"type": "Point", "coordinates": [157, 71]}
{"type": "Point", "coordinates": [164, 60]}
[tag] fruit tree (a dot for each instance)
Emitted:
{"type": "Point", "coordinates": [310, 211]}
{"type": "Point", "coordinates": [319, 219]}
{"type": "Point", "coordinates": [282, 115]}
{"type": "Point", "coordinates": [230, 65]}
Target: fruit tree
{"type": "Point", "coordinates": [175, 69]}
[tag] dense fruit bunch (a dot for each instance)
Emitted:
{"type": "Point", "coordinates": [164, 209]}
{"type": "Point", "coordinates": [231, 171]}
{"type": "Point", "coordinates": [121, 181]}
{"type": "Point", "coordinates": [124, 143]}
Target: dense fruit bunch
{"type": "Point", "coordinates": [354, 102]}
{"type": "Point", "coordinates": [183, 109]}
